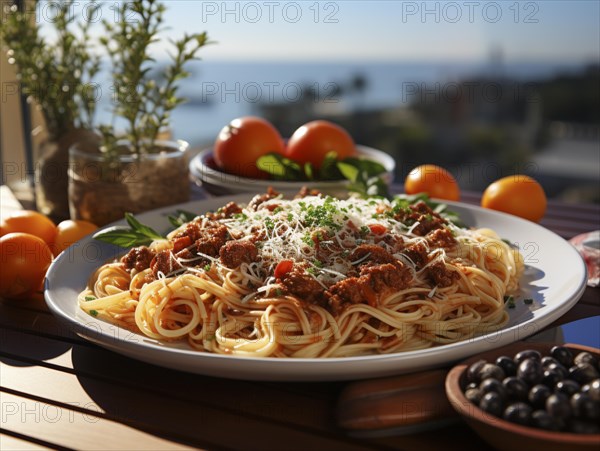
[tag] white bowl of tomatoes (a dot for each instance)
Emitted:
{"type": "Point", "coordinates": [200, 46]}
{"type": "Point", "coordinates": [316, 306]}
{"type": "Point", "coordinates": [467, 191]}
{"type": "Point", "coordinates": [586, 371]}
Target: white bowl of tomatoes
{"type": "Point", "coordinates": [249, 155]}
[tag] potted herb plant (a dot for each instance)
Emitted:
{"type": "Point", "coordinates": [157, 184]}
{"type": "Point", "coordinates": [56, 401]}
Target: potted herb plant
{"type": "Point", "coordinates": [55, 72]}
{"type": "Point", "coordinates": [111, 168]}
{"type": "Point", "coordinates": [132, 169]}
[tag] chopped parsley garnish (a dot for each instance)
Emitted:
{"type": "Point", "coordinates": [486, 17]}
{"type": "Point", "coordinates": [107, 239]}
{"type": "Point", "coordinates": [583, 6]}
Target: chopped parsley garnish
{"type": "Point", "coordinates": [89, 298]}
{"type": "Point", "coordinates": [509, 301]}
{"type": "Point", "coordinates": [94, 313]}
{"type": "Point", "coordinates": [325, 215]}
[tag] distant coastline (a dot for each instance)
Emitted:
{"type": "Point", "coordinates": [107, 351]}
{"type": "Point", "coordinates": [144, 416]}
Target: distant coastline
{"type": "Point", "coordinates": [222, 90]}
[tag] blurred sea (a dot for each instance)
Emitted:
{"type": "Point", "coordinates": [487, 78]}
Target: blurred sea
{"type": "Point", "coordinates": [221, 91]}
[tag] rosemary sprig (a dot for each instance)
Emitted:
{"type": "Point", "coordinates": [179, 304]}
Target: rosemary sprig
{"type": "Point", "coordinates": [54, 71]}
{"type": "Point", "coordinates": [145, 104]}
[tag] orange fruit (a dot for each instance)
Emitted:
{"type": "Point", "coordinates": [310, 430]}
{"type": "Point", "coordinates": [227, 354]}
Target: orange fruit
{"type": "Point", "coordinates": [433, 180]}
{"type": "Point", "coordinates": [519, 195]}
{"type": "Point", "coordinates": [69, 232]}
{"type": "Point", "coordinates": [29, 221]}
{"type": "Point", "coordinates": [24, 260]}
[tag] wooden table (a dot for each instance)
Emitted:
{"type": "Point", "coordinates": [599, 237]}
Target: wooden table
{"type": "Point", "coordinates": [59, 391]}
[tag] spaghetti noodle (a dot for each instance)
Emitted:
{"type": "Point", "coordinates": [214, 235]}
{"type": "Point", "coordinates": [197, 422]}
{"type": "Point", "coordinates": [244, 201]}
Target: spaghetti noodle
{"type": "Point", "coordinates": [312, 276]}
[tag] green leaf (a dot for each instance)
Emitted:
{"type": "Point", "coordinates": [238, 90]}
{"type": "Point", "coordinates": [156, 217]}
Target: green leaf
{"type": "Point", "coordinates": [329, 169]}
{"type": "Point", "coordinates": [272, 164]}
{"type": "Point", "coordinates": [369, 167]}
{"type": "Point", "coordinates": [138, 227]}
{"type": "Point", "coordinates": [308, 171]}
{"type": "Point", "coordinates": [280, 168]}
{"type": "Point", "coordinates": [181, 217]}
{"type": "Point", "coordinates": [122, 236]}
{"type": "Point", "coordinates": [349, 171]}
{"type": "Point", "coordinates": [136, 235]}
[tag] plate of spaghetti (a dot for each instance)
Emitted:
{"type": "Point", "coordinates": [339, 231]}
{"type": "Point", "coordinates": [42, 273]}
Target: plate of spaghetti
{"type": "Point", "coordinates": [313, 287]}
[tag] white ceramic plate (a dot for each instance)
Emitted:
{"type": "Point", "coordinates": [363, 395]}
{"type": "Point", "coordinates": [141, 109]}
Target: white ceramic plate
{"type": "Point", "coordinates": [220, 183]}
{"type": "Point", "coordinates": [555, 279]}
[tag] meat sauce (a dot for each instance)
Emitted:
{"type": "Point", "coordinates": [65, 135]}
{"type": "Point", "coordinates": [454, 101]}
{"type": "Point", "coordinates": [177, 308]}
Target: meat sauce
{"type": "Point", "coordinates": [375, 270]}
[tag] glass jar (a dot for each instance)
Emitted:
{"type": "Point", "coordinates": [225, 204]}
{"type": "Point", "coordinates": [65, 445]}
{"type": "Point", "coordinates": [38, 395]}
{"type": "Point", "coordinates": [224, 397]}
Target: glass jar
{"type": "Point", "coordinates": [102, 190]}
{"type": "Point", "coordinates": [51, 173]}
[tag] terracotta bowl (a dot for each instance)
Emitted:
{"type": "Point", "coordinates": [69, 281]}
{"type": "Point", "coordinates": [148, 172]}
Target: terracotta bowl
{"type": "Point", "coordinates": [505, 435]}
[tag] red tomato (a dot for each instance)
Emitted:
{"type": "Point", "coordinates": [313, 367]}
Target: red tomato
{"type": "Point", "coordinates": [377, 229]}
{"type": "Point", "coordinates": [311, 142]}
{"type": "Point", "coordinates": [243, 141]}
{"type": "Point", "coordinates": [283, 267]}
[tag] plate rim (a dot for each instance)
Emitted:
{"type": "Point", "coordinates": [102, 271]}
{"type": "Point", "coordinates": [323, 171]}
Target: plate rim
{"type": "Point", "coordinates": [285, 367]}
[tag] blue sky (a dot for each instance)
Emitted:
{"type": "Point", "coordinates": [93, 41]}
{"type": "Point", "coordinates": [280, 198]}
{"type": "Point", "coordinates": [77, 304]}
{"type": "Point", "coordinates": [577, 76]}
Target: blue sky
{"type": "Point", "coordinates": [393, 30]}
{"type": "Point", "coordinates": [543, 30]}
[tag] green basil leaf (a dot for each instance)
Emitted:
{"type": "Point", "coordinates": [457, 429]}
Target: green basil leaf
{"type": "Point", "coordinates": [181, 217]}
{"type": "Point", "coordinates": [271, 163]}
{"type": "Point", "coordinates": [123, 237]}
{"type": "Point", "coordinates": [369, 167]}
{"type": "Point", "coordinates": [329, 169]}
{"type": "Point", "coordinates": [349, 171]}
{"type": "Point", "coordinates": [140, 228]}
{"type": "Point", "coordinates": [308, 171]}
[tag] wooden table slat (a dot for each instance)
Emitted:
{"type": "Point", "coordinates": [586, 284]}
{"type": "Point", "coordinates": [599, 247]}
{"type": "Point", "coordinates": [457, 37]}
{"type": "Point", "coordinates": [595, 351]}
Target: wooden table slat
{"type": "Point", "coordinates": [104, 371]}
{"type": "Point", "coordinates": [70, 428]}
{"type": "Point", "coordinates": [17, 443]}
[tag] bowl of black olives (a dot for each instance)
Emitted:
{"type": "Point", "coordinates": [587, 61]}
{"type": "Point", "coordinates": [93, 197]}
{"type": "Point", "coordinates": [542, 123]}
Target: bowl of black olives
{"type": "Point", "coordinates": [531, 396]}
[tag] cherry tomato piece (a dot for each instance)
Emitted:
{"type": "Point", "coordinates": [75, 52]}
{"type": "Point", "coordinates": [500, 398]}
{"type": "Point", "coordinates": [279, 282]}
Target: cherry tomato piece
{"type": "Point", "coordinates": [377, 229]}
{"type": "Point", "coordinates": [283, 267]}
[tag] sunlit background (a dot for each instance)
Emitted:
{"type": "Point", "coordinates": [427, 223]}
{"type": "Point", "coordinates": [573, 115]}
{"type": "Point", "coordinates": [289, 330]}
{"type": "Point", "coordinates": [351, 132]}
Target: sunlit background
{"type": "Point", "coordinates": [485, 89]}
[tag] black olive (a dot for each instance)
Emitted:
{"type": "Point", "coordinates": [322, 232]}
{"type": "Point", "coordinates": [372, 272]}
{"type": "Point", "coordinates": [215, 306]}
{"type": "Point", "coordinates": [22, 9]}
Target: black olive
{"type": "Point", "coordinates": [473, 371]}
{"type": "Point", "coordinates": [578, 426]}
{"type": "Point", "coordinates": [527, 354]}
{"type": "Point", "coordinates": [538, 395]}
{"type": "Point", "coordinates": [489, 370]}
{"type": "Point", "coordinates": [586, 357]}
{"type": "Point", "coordinates": [530, 370]}
{"type": "Point", "coordinates": [583, 373]}
{"type": "Point", "coordinates": [592, 389]}
{"type": "Point", "coordinates": [567, 387]}
{"type": "Point", "coordinates": [551, 377]}
{"type": "Point", "coordinates": [471, 385]}
{"type": "Point", "coordinates": [543, 420]}
{"type": "Point", "coordinates": [558, 368]}
{"type": "Point", "coordinates": [474, 395]}
{"type": "Point", "coordinates": [516, 388]}
{"type": "Point", "coordinates": [558, 406]}
{"type": "Point", "coordinates": [563, 355]}
{"type": "Point", "coordinates": [507, 364]}
{"type": "Point", "coordinates": [547, 360]}
{"type": "Point", "coordinates": [492, 403]}
{"type": "Point", "coordinates": [518, 412]}
{"type": "Point", "coordinates": [490, 385]}
{"type": "Point", "coordinates": [585, 407]}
